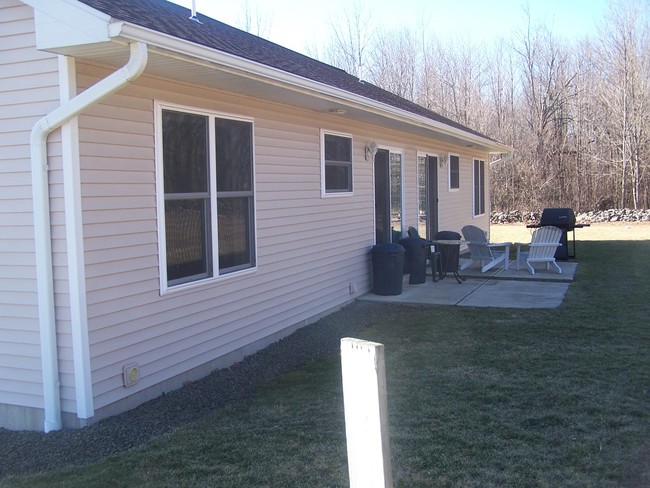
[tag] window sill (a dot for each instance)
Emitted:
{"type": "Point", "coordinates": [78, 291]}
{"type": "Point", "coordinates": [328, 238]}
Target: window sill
{"type": "Point", "coordinates": [192, 285]}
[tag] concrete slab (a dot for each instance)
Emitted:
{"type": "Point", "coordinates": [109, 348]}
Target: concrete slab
{"type": "Point", "coordinates": [541, 273]}
{"type": "Point", "coordinates": [516, 294]}
{"type": "Point", "coordinates": [444, 292]}
{"type": "Point", "coordinates": [496, 288]}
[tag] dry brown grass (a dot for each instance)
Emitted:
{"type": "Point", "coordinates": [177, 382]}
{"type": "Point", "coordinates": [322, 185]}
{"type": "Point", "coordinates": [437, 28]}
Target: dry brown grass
{"type": "Point", "coordinates": [611, 231]}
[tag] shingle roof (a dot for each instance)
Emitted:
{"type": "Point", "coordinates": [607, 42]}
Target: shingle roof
{"type": "Point", "coordinates": [173, 19]}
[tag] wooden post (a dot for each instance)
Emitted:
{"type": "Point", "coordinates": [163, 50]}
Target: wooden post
{"type": "Point", "coordinates": [366, 417]}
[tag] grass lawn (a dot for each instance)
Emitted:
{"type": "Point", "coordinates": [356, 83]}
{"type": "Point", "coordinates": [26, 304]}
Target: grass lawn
{"type": "Point", "coordinates": [476, 397]}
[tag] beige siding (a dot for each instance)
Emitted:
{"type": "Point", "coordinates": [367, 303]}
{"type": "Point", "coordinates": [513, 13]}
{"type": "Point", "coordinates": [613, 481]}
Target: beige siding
{"type": "Point", "coordinates": [309, 248]}
{"type": "Point", "coordinates": [456, 208]}
{"type": "Point", "coordinates": [28, 90]}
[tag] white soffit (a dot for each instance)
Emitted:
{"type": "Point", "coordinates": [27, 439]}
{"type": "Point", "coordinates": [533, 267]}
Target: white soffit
{"type": "Point", "coordinates": [67, 23]}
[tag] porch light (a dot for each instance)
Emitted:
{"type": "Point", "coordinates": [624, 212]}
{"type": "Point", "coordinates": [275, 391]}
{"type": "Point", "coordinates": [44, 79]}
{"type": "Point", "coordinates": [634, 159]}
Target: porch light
{"type": "Point", "coordinates": [443, 160]}
{"type": "Point", "coordinates": [371, 150]}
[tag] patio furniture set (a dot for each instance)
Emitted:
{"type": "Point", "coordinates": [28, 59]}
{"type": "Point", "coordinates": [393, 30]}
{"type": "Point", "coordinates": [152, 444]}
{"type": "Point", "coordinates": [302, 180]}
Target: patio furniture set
{"type": "Point", "coordinates": [445, 251]}
{"type": "Point", "coordinates": [549, 242]}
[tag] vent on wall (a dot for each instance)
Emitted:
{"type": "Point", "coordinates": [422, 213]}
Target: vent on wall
{"type": "Point", "coordinates": [131, 374]}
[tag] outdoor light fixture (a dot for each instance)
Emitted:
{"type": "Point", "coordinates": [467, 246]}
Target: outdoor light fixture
{"type": "Point", "coordinates": [443, 159]}
{"type": "Point", "coordinates": [337, 111]}
{"type": "Point", "coordinates": [371, 150]}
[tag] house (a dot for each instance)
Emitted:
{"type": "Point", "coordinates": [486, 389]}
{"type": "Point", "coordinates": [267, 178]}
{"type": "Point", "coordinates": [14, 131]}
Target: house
{"type": "Point", "coordinates": [176, 194]}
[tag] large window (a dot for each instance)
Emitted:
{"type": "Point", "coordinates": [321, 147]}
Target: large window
{"type": "Point", "coordinates": [337, 163]}
{"type": "Point", "coordinates": [208, 195]}
{"type": "Point", "coordinates": [479, 187]}
{"type": "Point", "coordinates": [454, 172]}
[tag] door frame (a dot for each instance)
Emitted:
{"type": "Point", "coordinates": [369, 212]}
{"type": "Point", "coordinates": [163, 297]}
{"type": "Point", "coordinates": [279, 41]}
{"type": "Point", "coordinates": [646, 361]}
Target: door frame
{"type": "Point", "coordinates": [387, 186]}
{"type": "Point", "coordinates": [432, 177]}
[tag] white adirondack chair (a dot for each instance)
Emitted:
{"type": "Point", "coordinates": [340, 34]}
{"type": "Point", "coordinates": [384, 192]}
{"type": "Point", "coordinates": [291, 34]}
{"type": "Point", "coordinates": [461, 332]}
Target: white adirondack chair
{"type": "Point", "coordinates": [484, 252]}
{"type": "Point", "coordinates": [541, 248]}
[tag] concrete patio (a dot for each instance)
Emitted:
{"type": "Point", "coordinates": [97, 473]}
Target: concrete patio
{"type": "Point", "coordinates": [495, 288]}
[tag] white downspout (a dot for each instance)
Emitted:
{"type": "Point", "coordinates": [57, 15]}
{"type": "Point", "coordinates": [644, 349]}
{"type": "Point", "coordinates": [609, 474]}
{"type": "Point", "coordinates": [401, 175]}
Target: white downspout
{"type": "Point", "coordinates": [42, 224]}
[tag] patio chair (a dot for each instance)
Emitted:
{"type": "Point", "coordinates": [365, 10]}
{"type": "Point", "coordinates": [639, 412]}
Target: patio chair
{"type": "Point", "coordinates": [542, 247]}
{"type": "Point", "coordinates": [487, 254]}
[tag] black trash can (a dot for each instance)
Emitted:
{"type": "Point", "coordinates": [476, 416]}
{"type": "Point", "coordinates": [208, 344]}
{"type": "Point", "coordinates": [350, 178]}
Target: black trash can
{"type": "Point", "coordinates": [415, 258]}
{"type": "Point", "coordinates": [387, 269]}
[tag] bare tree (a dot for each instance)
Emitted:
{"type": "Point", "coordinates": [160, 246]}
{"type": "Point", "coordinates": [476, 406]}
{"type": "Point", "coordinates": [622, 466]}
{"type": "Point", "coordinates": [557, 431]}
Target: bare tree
{"type": "Point", "coordinates": [396, 64]}
{"type": "Point", "coordinates": [547, 80]}
{"type": "Point", "coordinates": [453, 81]}
{"type": "Point", "coordinates": [254, 21]}
{"type": "Point", "coordinates": [624, 61]}
{"type": "Point", "coordinates": [503, 112]}
{"type": "Point", "coordinates": [351, 40]}
{"type": "Point", "coordinates": [577, 113]}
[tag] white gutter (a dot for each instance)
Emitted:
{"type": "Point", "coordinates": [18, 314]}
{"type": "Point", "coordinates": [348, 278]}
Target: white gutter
{"type": "Point", "coordinates": [504, 159]}
{"type": "Point", "coordinates": [202, 55]}
{"type": "Point", "coordinates": [42, 224]}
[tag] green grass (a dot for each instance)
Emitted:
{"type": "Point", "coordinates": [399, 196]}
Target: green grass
{"type": "Point", "coordinates": [476, 397]}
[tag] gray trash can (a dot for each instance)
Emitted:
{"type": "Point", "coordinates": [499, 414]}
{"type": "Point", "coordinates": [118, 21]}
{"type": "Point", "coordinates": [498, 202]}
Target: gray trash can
{"type": "Point", "coordinates": [387, 269]}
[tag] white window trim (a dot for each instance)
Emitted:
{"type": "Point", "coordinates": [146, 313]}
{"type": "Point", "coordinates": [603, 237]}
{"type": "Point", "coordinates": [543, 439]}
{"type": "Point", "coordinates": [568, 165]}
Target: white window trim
{"type": "Point", "coordinates": [323, 190]}
{"type": "Point", "coordinates": [424, 154]}
{"type": "Point", "coordinates": [449, 188]}
{"type": "Point", "coordinates": [400, 151]}
{"type": "Point", "coordinates": [475, 215]}
{"type": "Point", "coordinates": [159, 106]}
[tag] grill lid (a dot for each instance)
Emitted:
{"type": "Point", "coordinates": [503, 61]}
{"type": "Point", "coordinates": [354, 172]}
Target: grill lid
{"type": "Point", "coordinates": [559, 217]}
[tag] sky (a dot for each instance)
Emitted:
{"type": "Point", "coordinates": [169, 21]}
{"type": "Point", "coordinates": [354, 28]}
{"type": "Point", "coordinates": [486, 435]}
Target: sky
{"type": "Point", "coordinates": [304, 24]}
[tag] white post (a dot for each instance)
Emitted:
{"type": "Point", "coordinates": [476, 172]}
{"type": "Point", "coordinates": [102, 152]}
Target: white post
{"type": "Point", "coordinates": [366, 416]}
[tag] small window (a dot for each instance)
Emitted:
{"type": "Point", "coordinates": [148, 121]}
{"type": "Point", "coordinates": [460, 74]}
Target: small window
{"type": "Point", "coordinates": [454, 172]}
{"type": "Point", "coordinates": [337, 163]}
{"type": "Point", "coordinates": [479, 187]}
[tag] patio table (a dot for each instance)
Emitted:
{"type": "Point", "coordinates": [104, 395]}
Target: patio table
{"type": "Point", "coordinates": [449, 256]}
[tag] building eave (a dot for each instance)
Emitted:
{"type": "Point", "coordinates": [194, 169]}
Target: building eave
{"type": "Point", "coordinates": [332, 96]}
{"type": "Point", "coordinates": [192, 63]}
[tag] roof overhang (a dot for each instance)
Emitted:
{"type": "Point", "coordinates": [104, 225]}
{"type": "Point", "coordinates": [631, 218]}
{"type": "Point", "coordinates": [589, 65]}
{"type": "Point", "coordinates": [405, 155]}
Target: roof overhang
{"type": "Point", "coordinates": [71, 28]}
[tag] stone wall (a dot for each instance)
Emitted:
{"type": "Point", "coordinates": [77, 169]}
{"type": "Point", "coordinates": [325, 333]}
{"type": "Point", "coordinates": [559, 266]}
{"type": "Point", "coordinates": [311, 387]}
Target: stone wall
{"type": "Point", "coordinates": [611, 215]}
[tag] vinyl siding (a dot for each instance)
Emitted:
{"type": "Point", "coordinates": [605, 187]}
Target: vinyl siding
{"type": "Point", "coordinates": [309, 248]}
{"type": "Point", "coordinates": [28, 90]}
{"type": "Point", "coordinates": [456, 209]}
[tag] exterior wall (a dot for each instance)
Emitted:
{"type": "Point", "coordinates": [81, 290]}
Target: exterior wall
{"type": "Point", "coordinates": [310, 250]}
{"type": "Point", "coordinates": [456, 206]}
{"type": "Point", "coordinates": [28, 90]}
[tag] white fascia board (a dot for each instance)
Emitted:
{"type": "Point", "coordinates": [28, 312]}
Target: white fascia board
{"type": "Point", "coordinates": [251, 69]}
{"type": "Point", "coordinates": [61, 23]}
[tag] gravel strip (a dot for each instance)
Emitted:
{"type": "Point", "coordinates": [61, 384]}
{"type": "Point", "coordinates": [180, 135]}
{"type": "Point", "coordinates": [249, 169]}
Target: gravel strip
{"type": "Point", "coordinates": [32, 452]}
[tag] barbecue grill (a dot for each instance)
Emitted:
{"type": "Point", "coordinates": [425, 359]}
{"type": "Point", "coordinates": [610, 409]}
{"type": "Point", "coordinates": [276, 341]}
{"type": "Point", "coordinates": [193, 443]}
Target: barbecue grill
{"type": "Point", "coordinates": [565, 220]}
